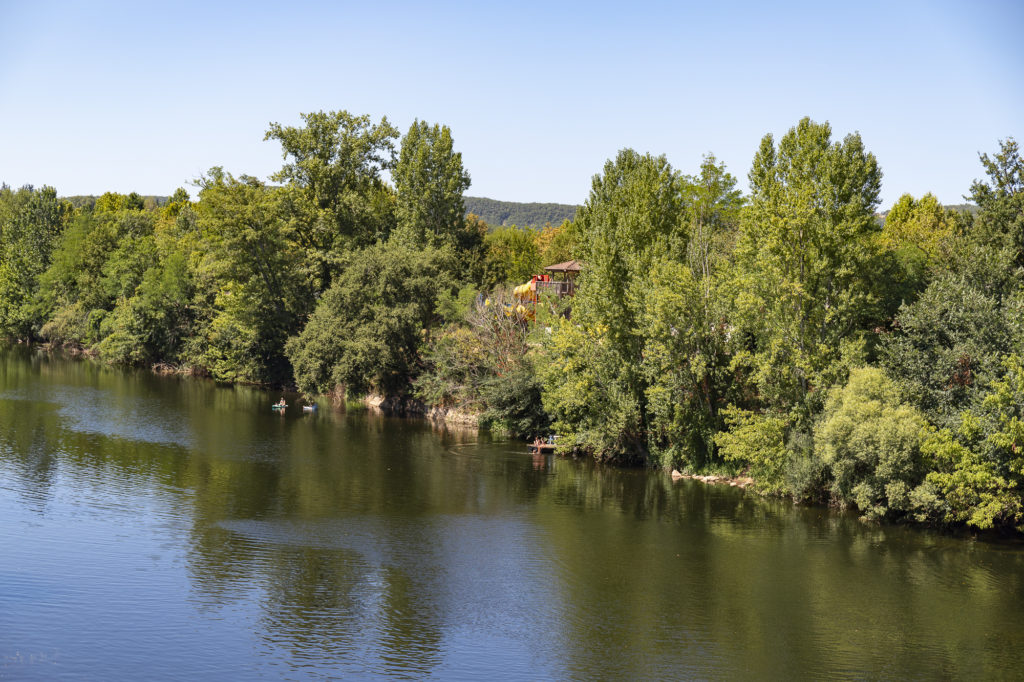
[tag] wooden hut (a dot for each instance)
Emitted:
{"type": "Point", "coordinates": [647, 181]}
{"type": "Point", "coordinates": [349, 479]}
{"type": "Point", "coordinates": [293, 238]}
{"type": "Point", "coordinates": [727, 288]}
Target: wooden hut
{"type": "Point", "coordinates": [565, 284]}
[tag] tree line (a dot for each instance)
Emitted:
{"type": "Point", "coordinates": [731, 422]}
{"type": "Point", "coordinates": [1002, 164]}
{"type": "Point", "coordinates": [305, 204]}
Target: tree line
{"type": "Point", "coordinates": [786, 332]}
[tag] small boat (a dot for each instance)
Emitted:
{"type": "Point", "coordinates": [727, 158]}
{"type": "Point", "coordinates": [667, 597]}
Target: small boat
{"type": "Point", "coordinates": [542, 447]}
{"type": "Point", "coordinates": [275, 406]}
{"type": "Point", "coordinates": [309, 408]}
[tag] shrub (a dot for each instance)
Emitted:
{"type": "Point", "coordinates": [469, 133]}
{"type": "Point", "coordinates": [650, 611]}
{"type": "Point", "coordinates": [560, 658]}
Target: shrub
{"type": "Point", "coordinates": [870, 443]}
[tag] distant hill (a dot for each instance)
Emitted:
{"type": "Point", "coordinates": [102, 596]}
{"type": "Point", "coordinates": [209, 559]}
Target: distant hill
{"type": "Point", "coordinates": [89, 200]}
{"type": "Point", "coordinates": [970, 208]}
{"type": "Point", "coordinates": [499, 213]}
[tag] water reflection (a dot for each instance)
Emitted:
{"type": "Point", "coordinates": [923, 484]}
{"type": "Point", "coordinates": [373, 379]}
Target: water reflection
{"type": "Point", "coordinates": [175, 528]}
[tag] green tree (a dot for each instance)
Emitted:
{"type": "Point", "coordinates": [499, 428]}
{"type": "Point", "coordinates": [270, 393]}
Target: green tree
{"type": "Point", "coordinates": [251, 264]}
{"type": "Point", "coordinates": [686, 362]}
{"type": "Point", "coordinates": [511, 256]}
{"type": "Point", "coordinates": [483, 363]}
{"type": "Point", "coordinates": [805, 256]}
{"type": "Point", "coordinates": [977, 475]}
{"type": "Point", "coordinates": [712, 213]}
{"type": "Point", "coordinates": [923, 225]}
{"type": "Point", "coordinates": [557, 244]}
{"type": "Point", "coordinates": [685, 323]}
{"type": "Point", "coordinates": [335, 197]}
{"type": "Point", "coordinates": [30, 222]}
{"type": "Point", "coordinates": [999, 222]}
{"type": "Point", "coordinates": [430, 181]}
{"type": "Point", "coordinates": [112, 202]}
{"type": "Point", "coordinates": [595, 386]}
{"type": "Point", "coordinates": [757, 442]}
{"type": "Point", "coordinates": [946, 346]}
{"type": "Point", "coordinates": [367, 329]}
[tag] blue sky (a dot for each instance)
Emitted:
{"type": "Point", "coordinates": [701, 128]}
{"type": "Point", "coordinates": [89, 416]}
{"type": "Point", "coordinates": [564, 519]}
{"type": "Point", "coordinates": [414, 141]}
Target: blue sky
{"type": "Point", "coordinates": [137, 97]}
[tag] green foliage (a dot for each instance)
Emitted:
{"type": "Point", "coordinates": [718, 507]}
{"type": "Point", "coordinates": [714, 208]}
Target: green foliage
{"type": "Point", "coordinates": [483, 363]}
{"type": "Point", "coordinates": [506, 213]}
{"type": "Point", "coordinates": [112, 202]}
{"type": "Point", "coordinates": [335, 199]}
{"type": "Point", "coordinates": [966, 488]}
{"type": "Point", "coordinates": [921, 224]}
{"type": "Point", "coordinates": [708, 332]}
{"type": "Point", "coordinates": [87, 202]}
{"type": "Point", "coordinates": [152, 325]}
{"type": "Point", "coordinates": [999, 222]}
{"type": "Point", "coordinates": [30, 222]}
{"type": "Point", "coordinates": [455, 307]}
{"type": "Point", "coordinates": [758, 442]}
{"type": "Point", "coordinates": [76, 271]}
{"type": "Point", "coordinates": [870, 442]}
{"type": "Point", "coordinates": [633, 216]}
{"type": "Point", "coordinates": [120, 282]}
{"type": "Point", "coordinates": [557, 244]}
{"type": "Point", "coordinates": [512, 256]}
{"type": "Point", "coordinates": [712, 212]}
{"type": "Point", "coordinates": [583, 390]}
{"type": "Point", "coordinates": [257, 289]}
{"type": "Point", "coordinates": [513, 401]}
{"type": "Point", "coordinates": [455, 364]}
{"type": "Point", "coordinates": [367, 329]}
{"type": "Point", "coordinates": [686, 362]}
{"type": "Point", "coordinates": [688, 339]}
{"type": "Point", "coordinates": [804, 282]}
{"type": "Point", "coordinates": [946, 346]}
{"type": "Point", "coordinates": [429, 182]}
{"type": "Point", "coordinates": [649, 354]}
{"type": "Point", "coordinates": [977, 474]}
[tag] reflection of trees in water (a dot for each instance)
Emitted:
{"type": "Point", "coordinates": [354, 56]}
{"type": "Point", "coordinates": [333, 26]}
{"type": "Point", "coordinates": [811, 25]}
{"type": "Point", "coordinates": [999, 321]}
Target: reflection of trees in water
{"type": "Point", "coordinates": [333, 583]}
{"type": "Point", "coordinates": [731, 584]}
{"type": "Point", "coordinates": [327, 606]}
{"type": "Point", "coordinates": [376, 534]}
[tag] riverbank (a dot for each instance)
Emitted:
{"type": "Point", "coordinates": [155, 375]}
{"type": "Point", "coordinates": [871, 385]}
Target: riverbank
{"type": "Point", "coordinates": [409, 407]}
{"type": "Point", "coordinates": [743, 482]}
{"type": "Point", "coordinates": [462, 420]}
{"type": "Point", "coordinates": [205, 524]}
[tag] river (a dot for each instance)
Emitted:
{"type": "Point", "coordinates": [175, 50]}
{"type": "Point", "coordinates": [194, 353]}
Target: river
{"type": "Point", "coordinates": [167, 528]}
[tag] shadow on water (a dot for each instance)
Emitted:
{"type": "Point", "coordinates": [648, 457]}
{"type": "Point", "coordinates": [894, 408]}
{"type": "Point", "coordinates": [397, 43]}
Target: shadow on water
{"type": "Point", "coordinates": [216, 537]}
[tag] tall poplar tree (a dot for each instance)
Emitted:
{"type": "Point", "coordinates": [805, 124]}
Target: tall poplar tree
{"type": "Point", "coordinates": [430, 181]}
{"type": "Point", "coordinates": [595, 384]}
{"type": "Point", "coordinates": [805, 254]}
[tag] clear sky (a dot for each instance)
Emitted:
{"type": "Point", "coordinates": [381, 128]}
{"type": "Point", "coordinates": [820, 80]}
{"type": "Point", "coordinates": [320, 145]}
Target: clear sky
{"type": "Point", "coordinates": [126, 96]}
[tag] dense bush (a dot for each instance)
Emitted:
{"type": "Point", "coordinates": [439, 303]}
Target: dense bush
{"type": "Point", "coordinates": [977, 471]}
{"type": "Point", "coordinates": [366, 332]}
{"type": "Point", "coordinates": [483, 363]}
{"type": "Point", "coordinates": [870, 443]}
{"type": "Point", "coordinates": [946, 346]}
{"type": "Point", "coordinates": [757, 442]}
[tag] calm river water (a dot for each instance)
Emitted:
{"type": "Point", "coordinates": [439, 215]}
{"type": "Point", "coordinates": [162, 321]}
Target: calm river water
{"type": "Point", "coordinates": [160, 528]}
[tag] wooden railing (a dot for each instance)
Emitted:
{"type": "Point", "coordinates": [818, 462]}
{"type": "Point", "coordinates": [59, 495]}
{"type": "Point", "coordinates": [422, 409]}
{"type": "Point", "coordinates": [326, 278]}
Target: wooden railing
{"type": "Point", "coordinates": [560, 289]}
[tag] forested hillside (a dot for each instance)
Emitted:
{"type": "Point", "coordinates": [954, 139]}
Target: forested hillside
{"type": "Point", "coordinates": [89, 201]}
{"type": "Point", "coordinates": [784, 332]}
{"type": "Point", "coordinates": [503, 213]}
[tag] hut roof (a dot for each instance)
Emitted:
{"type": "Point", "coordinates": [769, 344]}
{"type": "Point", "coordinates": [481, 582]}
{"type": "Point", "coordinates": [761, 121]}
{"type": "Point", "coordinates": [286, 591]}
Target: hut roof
{"type": "Point", "coordinates": [567, 266]}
